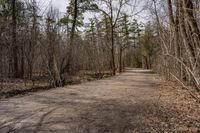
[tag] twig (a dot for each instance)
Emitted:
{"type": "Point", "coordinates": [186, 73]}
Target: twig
{"type": "Point", "coordinates": [198, 100]}
{"type": "Point", "coordinates": [178, 80]}
{"type": "Point", "coordinates": [189, 70]}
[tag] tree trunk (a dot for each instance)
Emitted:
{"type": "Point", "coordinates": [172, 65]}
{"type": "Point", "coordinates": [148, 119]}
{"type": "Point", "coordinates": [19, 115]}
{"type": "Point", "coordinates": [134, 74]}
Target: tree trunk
{"type": "Point", "coordinates": [177, 30]}
{"type": "Point", "coordinates": [56, 74]}
{"type": "Point", "coordinates": [14, 40]}
{"type": "Point", "coordinates": [188, 45]}
{"type": "Point", "coordinates": [172, 27]}
{"type": "Point", "coordinates": [22, 62]}
{"type": "Point", "coordinates": [113, 51]}
{"type": "Point", "coordinates": [120, 60]}
{"type": "Point", "coordinates": [188, 9]}
{"type": "Point", "coordinates": [171, 17]}
{"type": "Point", "coordinates": [69, 61]}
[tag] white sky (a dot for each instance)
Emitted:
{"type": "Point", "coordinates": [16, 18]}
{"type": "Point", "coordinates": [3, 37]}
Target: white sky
{"type": "Point", "coordinates": [60, 4]}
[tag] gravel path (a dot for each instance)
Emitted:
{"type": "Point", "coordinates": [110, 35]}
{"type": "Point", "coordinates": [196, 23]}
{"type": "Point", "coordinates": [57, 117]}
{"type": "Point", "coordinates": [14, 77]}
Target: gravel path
{"type": "Point", "coordinates": [122, 104]}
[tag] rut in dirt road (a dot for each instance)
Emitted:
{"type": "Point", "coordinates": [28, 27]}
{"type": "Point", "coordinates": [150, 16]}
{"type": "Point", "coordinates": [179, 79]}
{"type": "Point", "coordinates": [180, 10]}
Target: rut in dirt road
{"type": "Point", "coordinates": [121, 104]}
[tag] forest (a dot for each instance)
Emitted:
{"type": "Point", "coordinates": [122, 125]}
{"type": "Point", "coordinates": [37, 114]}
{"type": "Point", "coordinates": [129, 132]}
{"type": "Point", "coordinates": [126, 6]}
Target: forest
{"type": "Point", "coordinates": [54, 47]}
{"type": "Point", "coordinates": [37, 44]}
{"type": "Point", "coordinates": [40, 44]}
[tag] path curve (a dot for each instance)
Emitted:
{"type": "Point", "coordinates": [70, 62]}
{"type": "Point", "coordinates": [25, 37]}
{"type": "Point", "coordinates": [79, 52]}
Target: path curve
{"type": "Point", "coordinates": [114, 105]}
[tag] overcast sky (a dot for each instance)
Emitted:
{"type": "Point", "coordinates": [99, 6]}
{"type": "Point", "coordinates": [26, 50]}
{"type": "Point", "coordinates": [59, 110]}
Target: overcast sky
{"type": "Point", "coordinates": [60, 4]}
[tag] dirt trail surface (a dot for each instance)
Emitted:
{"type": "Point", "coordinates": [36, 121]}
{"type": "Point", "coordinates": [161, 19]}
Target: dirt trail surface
{"type": "Point", "coordinates": [128, 103]}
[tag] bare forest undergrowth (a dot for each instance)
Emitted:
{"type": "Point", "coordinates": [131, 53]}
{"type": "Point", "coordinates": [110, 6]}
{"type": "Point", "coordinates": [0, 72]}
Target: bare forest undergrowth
{"type": "Point", "coordinates": [13, 87]}
{"type": "Point", "coordinates": [135, 101]}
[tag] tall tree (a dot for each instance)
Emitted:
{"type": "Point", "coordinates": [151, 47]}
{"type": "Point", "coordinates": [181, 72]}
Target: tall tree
{"type": "Point", "coordinates": [14, 40]}
{"type": "Point", "coordinates": [51, 36]}
{"type": "Point", "coordinates": [74, 22]}
{"type": "Point", "coordinates": [75, 10]}
{"type": "Point", "coordinates": [113, 13]}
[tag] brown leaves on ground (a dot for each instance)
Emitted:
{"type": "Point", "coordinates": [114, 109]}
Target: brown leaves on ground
{"type": "Point", "coordinates": [179, 110]}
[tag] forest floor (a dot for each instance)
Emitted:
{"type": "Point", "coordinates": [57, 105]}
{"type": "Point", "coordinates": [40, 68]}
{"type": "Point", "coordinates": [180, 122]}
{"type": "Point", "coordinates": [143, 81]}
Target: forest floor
{"type": "Point", "coordinates": [137, 101]}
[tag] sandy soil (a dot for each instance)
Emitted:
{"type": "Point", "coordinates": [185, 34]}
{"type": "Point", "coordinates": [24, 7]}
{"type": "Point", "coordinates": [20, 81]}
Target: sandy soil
{"type": "Point", "coordinates": [135, 101]}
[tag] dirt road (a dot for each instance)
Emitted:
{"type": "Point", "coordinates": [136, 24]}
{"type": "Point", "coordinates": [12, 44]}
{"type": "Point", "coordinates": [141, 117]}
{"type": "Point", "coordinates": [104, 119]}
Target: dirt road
{"type": "Point", "coordinates": [122, 104]}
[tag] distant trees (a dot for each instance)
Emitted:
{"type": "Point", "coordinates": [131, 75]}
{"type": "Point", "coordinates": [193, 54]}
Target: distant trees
{"type": "Point", "coordinates": [33, 38]}
{"type": "Point", "coordinates": [129, 33]}
{"type": "Point", "coordinates": [47, 45]}
{"type": "Point", "coordinates": [148, 47]}
{"type": "Point", "coordinates": [9, 42]}
{"type": "Point", "coordinates": [75, 12]}
{"type": "Point", "coordinates": [113, 13]}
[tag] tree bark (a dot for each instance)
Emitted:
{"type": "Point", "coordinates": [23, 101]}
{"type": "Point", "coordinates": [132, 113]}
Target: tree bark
{"type": "Point", "coordinates": [69, 61]}
{"type": "Point", "coordinates": [14, 40]}
{"type": "Point", "coordinates": [188, 9]}
{"type": "Point", "coordinates": [113, 51]}
{"type": "Point", "coordinates": [187, 43]}
{"type": "Point", "coordinates": [170, 12]}
{"type": "Point", "coordinates": [120, 59]}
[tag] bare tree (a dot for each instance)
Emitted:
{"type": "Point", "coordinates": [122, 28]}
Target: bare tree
{"type": "Point", "coordinates": [113, 14]}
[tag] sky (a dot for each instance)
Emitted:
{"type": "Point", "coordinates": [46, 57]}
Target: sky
{"type": "Point", "coordinates": [61, 5]}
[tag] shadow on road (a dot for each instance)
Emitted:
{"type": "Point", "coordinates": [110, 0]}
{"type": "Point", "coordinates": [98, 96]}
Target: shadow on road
{"type": "Point", "coordinates": [102, 116]}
